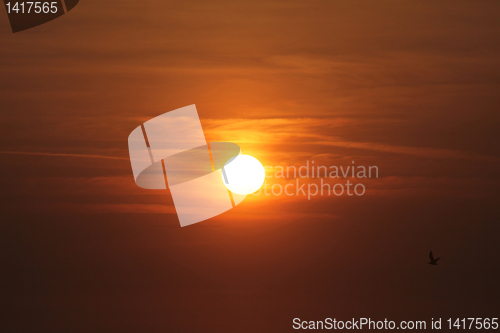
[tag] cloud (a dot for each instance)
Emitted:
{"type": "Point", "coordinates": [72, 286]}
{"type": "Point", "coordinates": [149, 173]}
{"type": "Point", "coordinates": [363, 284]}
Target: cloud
{"type": "Point", "coordinates": [62, 155]}
{"type": "Point", "coordinates": [313, 131]}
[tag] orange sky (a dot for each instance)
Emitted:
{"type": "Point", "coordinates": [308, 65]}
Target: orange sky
{"type": "Point", "coordinates": [412, 87]}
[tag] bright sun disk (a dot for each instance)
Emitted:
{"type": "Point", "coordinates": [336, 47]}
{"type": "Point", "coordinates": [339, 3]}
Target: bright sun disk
{"type": "Point", "coordinates": [243, 174]}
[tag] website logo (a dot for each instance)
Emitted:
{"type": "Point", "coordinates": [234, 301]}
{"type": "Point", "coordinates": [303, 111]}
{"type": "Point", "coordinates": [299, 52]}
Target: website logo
{"type": "Point", "coordinates": [205, 179]}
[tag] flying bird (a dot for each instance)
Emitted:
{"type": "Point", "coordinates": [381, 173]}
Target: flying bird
{"type": "Point", "coordinates": [433, 261]}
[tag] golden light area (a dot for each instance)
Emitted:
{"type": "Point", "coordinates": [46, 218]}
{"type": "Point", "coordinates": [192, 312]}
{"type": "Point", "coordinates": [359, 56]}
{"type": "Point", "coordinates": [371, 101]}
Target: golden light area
{"type": "Point", "coordinates": [243, 174]}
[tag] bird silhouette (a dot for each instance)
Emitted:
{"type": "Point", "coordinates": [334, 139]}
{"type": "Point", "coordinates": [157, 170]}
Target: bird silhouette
{"type": "Point", "coordinates": [433, 261]}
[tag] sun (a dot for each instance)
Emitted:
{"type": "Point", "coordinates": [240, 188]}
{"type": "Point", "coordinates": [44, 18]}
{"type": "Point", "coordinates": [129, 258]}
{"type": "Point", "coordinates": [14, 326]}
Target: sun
{"type": "Point", "coordinates": [243, 174]}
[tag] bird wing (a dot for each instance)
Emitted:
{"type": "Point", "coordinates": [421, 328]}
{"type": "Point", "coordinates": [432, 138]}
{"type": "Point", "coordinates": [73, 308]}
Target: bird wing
{"type": "Point", "coordinates": [431, 256]}
{"type": "Point", "coordinates": [437, 259]}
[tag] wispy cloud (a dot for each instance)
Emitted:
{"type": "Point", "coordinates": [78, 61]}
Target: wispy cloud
{"type": "Point", "coordinates": [62, 155]}
{"type": "Point", "coordinates": [314, 131]}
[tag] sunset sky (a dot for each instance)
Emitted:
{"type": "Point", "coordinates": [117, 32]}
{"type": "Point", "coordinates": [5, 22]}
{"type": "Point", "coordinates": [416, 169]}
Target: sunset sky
{"type": "Point", "coordinates": [411, 87]}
